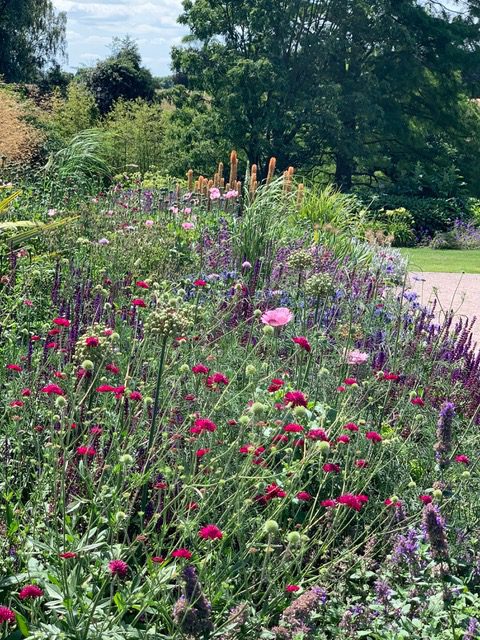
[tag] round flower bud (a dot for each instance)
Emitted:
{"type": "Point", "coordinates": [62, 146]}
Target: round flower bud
{"type": "Point", "coordinates": [324, 372]}
{"type": "Point", "coordinates": [250, 370]}
{"type": "Point", "coordinates": [120, 515]}
{"type": "Point", "coordinates": [268, 330]}
{"type": "Point", "coordinates": [244, 420]}
{"type": "Point", "coordinates": [271, 527]}
{"type": "Point", "coordinates": [60, 402]}
{"type": "Point", "coordinates": [412, 484]}
{"type": "Point", "coordinates": [466, 474]}
{"type": "Point", "coordinates": [87, 365]}
{"type": "Point", "coordinates": [125, 459]}
{"type": "Point", "coordinates": [294, 538]}
{"type": "Point", "coordinates": [437, 493]}
{"type": "Point", "coordinates": [257, 313]}
{"type": "Point", "coordinates": [323, 446]}
{"type": "Point", "coordinates": [181, 293]}
{"type": "Point", "coordinates": [258, 408]}
{"type": "Point", "coordinates": [300, 411]}
{"type": "Point", "coordinates": [184, 368]}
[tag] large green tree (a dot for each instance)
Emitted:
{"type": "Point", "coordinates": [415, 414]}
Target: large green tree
{"type": "Point", "coordinates": [363, 86]}
{"type": "Point", "coordinates": [32, 36]}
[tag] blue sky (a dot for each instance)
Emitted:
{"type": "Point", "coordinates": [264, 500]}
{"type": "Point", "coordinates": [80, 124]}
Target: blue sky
{"type": "Point", "coordinates": [91, 25]}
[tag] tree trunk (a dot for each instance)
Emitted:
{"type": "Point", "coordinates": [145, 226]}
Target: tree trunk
{"type": "Point", "coordinates": [343, 172]}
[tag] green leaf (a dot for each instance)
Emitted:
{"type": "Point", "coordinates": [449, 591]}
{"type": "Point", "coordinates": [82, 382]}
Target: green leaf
{"type": "Point", "coordinates": [22, 625]}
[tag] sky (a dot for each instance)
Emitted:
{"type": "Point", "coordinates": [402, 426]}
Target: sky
{"type": "Point", "coordinates": [91, 25]}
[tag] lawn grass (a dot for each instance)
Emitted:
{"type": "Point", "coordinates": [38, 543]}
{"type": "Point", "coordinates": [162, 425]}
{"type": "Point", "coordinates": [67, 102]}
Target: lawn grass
{"type": "Point", "coordinates": [448, 261]}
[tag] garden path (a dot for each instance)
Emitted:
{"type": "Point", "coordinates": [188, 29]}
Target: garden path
{"type": "Point", "coordinates": [457, 291]}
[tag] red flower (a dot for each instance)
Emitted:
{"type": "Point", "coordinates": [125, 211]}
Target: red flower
{"type": "Point", "coordinates": [138, 302]}
{"type": "Point", "coordinates": [341, 389]}
{"type": "Point", "coordinates": [391, 376]}
{"type": "Point", "coordinates": [202, 452]}
{"type": "Point", "coordinates": [200, 368]}
{"type": "Point", "coordinates": [361, 464]}
{"type": "Point", "coordinates": [275, 385]}
{"type": "Point", "coordinates": [142, 284]}
{"type": "Point", "coordinates": [280, 437]}
{"type": "Point", "coordinates": [86, 451]}
{"type": "Point", "coordinates": [328, 503]}
{"type": "Point", "coordinates": [330, 467]}
{"type": "Point", "coordinates": [210, 532]}
{"type": "Point", "coordinates": [462, 458]}
{"type": "Point", "coordinates": [293, 428]}
{"type": "Point", "coordinates": [34, 338]}
{"type": "Point", "coordinates": [417, 401]}
{"type": "Point", "coordinates": [425, 499]}
{"type": "Point", "coordinates": [53, 332]}
{"type": "Point", "coordinates": [317, 434]}
{"type": "Point", "coordinates": [157, 559]}
{"type": "Point", "coordinates": [6, 615]}
{"type": "Point", "coordinates": [216, 378]}
{"type": "Point", "coordinates": [112, 368]}
{"type": "Point", "coordinates": [291, 588]}
{"type": "Point", "coordinates": [390, 503]}
{"type": "Point", "coordinates": [350, 426]}
{"type": "Point", "coordinates": [199, 283]}
{"type": "Point", "coordinates": [67, 555]}
{"type": "Point", "coordinates": [353, 501]}
{"type": "Point", "coordinates": [14, 367]}
{"type": "Point", "coordinates": [105, 388]}
{"type": "Point", "coordinates": [350, 381]}
{"type": "Point", "coordinates": [52, 389]}
{"type": "Point", "coordinates": [92, 341]}
{"type": "Point", "coordinates": [303, 343]}
{"type": "Point", "coordinates": [26, 392]}
{"type": "Point", "coordinates": [182, 553]}
{"type": "Point", "coordinates": [135, 395]}
{"type": "Point", "coordinates": [304, 496]}
{"type": "Point", "coordinates": [344, 439]}
{"type": "Point", "coordinates": [61, 322]}
{"type": "Point", "coordinates": [203, 424]}
{"type": "Point", "coordinates": [30, 591]}
{"type": "Point", "coordinates": [118, 568]}
{"type": "Point", "coordinates": [373, 436]}
{"type": "Point", "coordinates": [192, 506]}
{"type": "Point", "coordinates": [295, 398]}
{"type": "Point", "coordinates": [16, 403]}
{"type": "Point", "coordinates": [274, 491]}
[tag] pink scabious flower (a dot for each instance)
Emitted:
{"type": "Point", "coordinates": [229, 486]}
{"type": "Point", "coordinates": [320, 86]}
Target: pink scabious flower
{"type": "Point", "coordinates": [274, 491]}
{"type": "Point", "coordinates": [291, 588]}
{"type": "Point", "coordinates": [61, 322]}
{"type": "Point", "coordinates": [352, 501]}
{"type": "Point", "coordinates": [142, 284]}
{"type": "Point", "coordinates": [357, 357]}
{"type": "Point", "coordinates": [26, 392]}
{"type": "Point", "coordinates": [216, 379]}
{"type": "Point", "coordinates": [277, 317]}
{"type": "Point", "coordinates": [118, 568]}
{"type": "Point", "coordinates": [105, 388]}
{"type": "Point", "coordinates": [201, 452]}
{"type": "Point", "coordinates": [425, 499]}
{"type": "Point", "coordinates": [295, 399]}
{"type": "Point", "coordinates": [350, 426]}
{"type": "Point", "coordinates": [373, 436]}
{"type": "Point", "coordinates": [203, 424]}
{"type": "Point", "coordinates": [6, 615]}
{"type": "Point", "coordinates": [231, 194]}
{"type": "Point", "coordinates": [328, 503]}
{"type": "Point", "coordinates": [317, 434]}
{"type": "Point", "coordinates": [350, 381]}
{"type": "Point", "coordinates": [28, 303]}
{"type": "Point", "coordinates": [292, 427]}
{"type": "Point", "coordinates": [199, 283]}
{"type": "Point", "coordinates": [157, 559]}
{"type": "Point", "coordinates": [188, 226]}
{"type": "Point", "coordinates": [200, 368]}
{"type": "Point", "coordinates": [392, 503]}
{"type": "Point", "coordinates": [30, 591]}
{"type": "Point", "coordinates": [112, 367]}
{"type": "Point", "coordinates": [416, 400]}
{"type": "Point", "coordinates": [135, 395]}
{"type": "Point", "coordinates": [14, 367]}
{"type": "Point", "coordinates": [149, 223]}
{"type": "Point", "coordinates": [391, 376]}
{"type": "Point", "coordinates": [275, 385]}
{"type": "Point", "coordinates": [331, 467]}
{"type": "Point", "coordinates": [462, 458]}
{"type": "Point", "coordinates": [361, 464]}
{"type": "Point", "coordinates": [304, 496]}
{"type": "Point", "coordinates": [303, 343]}
{"type": "Point", "coordinates": [210, 532]}
{"type": "Point", "coordinates": [86, 451]}
{"type": "Point", "coordinates": [343, 439]}
{"type": "Point", "coordinates": [52, 389]}
{"type": "Point", "coordinates": [215, 193]}
{"type": "Point", "coordinates": [181, 553]}
{"type": "Point", "coordinates": [138, 302]}
{"type": "Point", "coordinates": [16, 403]}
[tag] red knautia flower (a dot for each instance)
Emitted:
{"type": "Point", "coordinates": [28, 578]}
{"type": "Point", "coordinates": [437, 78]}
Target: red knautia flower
{"type": "Point", "coordinates": [135, 395]}
{"type": "Point", "coordinates": [105, 388]}
{"type": "Point", "coordinates": [53, 389]}
{"type": "Point", "coordinates": [373, 436]}
{"type": "Point", "coordinates": [343, 439]}
{"type": "Point", "coordinates": [392, 503]}
{"type": "Point", "coordinates": [6, 615]}
{"type": "Point", "coordinates": [35, 338]}
{"type": "Point", "coordinates": [274, 491]}
{"type": "Point", "coordinates": [157, 559]}
{"type": "Point", "coordinates": [142, 284]}
{"type": "Point", "coordinates": [202, 452]}
{"type": "Point", "coordinates": [26, 392]}
{"type": "Point", "coordinates": [203, 424]}
{"type": "Point", "coordinates": [317, 434]}
{"type": "Point", "coordinates": [14, 367]}
{"type": "Point", "coordinates": [86, 451]}
{"type": "Point", "coordinates": [92, 341]}
{"type": "Point", "coordinates": [192, 506]}
{"type": "Point", "coordinates": [425, 499]}
{"type": "Point", "coordinates": [216, 379]}
{"type": "Point", "coordinates": [67, 555]}
{"type": "Point", "coordinates": [350, 381]}
{"type": "Point", "coordinates": [200, 368]}
{"type": "Point", "coordinates": [60, 374]}
{"type": "Point", "coordinates": [350, 426]}
{"type": "Point", "coordinates": [107, 332]}
{"type": "Point", "coordinates": [112, 367]}
{"type": "Point", "coordinates": [30, 591]}
{"type": "Point", "coordinates": [291, 588]}
{"type": "Point", "coordinates": [138, 302]}
{"type": "Point", "coordinates": [83, 373]}
{"type": "Point", "coordinates": [331, 467]}
{"type": "Point", "coordinates": [302, 343]}
{"type": "Point", "coordinates": [61, 322]}
{"type": "Point", "coordinates": [16, 403]}
{"type": "Point", "coordinates": [182, 553]}
{"type": "Point", "coordinates": [295, 399]}
{"type": "Point", "coordinates": [199, 283]}
{"type": "Point", "coordinates": [416, 400]}
{"type": "Point", "coordinates": [462, 458]}
{"type": "Point", "coordinates": [118, 568]}
{"type": "Point", "coordinates": [353, 501]}
{"type": "Point", "coordinates": [96, 430]}
{"type": "Point", "coordinates": [304, 496]}
{"type": "Point", "coordinates": [53, 332]}
{"type": "Point", "coordinates": [275, 385]}
{"type": "Point", "coordinates": [341, 389]}
{"type": "Point", "coordinates": [328, 503]}
{"type": "Point", "coordinates": [280, 437]}
{"type": "Point", "coordinates": [51, 345]}
{"type": "Point", "coordinates": [210, 532]}
{"type": "Point", "coordinates": [361, 464]}
{"type": "Point", "coordinates": [277, 317]}
{"type": "Point", "coordinates": [293, 428]}
{"type": "Point", "coordinates": [391, 376]}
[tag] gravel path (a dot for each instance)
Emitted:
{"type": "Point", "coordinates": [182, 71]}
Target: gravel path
{"type": "Point", "coordinates": [457, 291]}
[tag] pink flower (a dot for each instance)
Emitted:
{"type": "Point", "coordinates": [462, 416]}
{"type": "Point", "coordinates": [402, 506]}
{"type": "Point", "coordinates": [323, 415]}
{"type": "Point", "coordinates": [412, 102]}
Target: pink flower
{"type": "Point", "coordinates": [188, 226]}
{"type": "Point", "coordinates": [214, 193]}
{"type": "Point", "coordinates": [357, 357]}
{"type": "Point", "coordinates": [328, 503]}
{"type": "Point", "coordinates": [293, 428]}
{"type": "Point", "coordinates": [200, 368]}
{"type": "Point", "coordinates": [118, 568]}
{"type": "Point", "coordinates": [6, 615]}
{"type": "Point", "coordinates": [350, 426]}
{"type": "Point", "coordinates": [462, 458]}
{"type": "Point", "coordinates": [142, 284]}
{"type": "Point", "coordinates": [112, 368]}
{"type": "Point", "coordinates": [295, 398]}
{"type": "Point", "coordinates": [135, 395]}
{"type": "Point", "coordinates": [149, 223]}
{"type": "Point", "coordinates": [157, 559]}
{"type": "Point", "coordinates": [350, 381]}
{"type": "Point", "coordinates": [199, 283]}
{"type": "Point", "coordinates": [210, 532]}
{"type": "Point", "coordinates": [61, 322]}
{"type": "Point", "coordinates": [138, 302]}
{"type": "Point", "coordinates": [67, 555]}
{"type": "Point", "coordinates": [231, 194]}
{"type": "Point", "coordinates": [277, 317]}
{"type": "Point", "coordinates": [201, 452]}
{"type": "Point", "coordinates": [54, 389]}
{"type": "Point", "coordinates": [182, 553]}
{"type": "Point", "coordinates": [291, 588]}
{"type": "Point", "coordinates": [304, 496]}
{"type": "Point", "coordinates": [86, 451]}
{"type": "Point", "coordinates": [330, 467]}
{"type": "Point", "coordinates": [216, 379]}
{"type": "Point", "coordinates": [419, 402]}
{"type": "Point", "coordinates": [28, 303]}
{"type": "Point", "coordinates": [373, 436]}
{"type": "Point", "coordinates": [343, 439]}
{"type": "Point", "coordinates": [275, 385]}
{"type": "Point", "coordinates": [353, 501]}
{"type": "Point", "coordinates": [317, 434]}
{"type": "Point", "coordinates": [92, 341]}
{"type": "Point", "coordinates": [26, 392]}
{"type": "Point", "coordinates": [361, 464]}
{"type": "Point", "coordinates": [14, 367]}
{"type": "Point", "coordinates": [30, 591]}
{"type": "Point", "coordinates": [303, 343]}
{"type": "Point", "coordinates": [16, 403]}
{"type": "Point", "coordinates": [203, 424]}
{"type": "Point", "coordinates": [425, 499]}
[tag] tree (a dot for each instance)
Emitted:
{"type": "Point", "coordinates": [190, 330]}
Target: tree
{"type": "Point", "coordinates": [119, 76]}
{"type": "Point", "coordinates": [361, 85]}
{"type": "Point", "coordinates": [32, 35]}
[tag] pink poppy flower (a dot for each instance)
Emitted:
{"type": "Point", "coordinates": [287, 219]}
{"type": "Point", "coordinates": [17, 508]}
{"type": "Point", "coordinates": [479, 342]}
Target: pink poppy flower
{"type": "Point", "coordinates": [277, 317]}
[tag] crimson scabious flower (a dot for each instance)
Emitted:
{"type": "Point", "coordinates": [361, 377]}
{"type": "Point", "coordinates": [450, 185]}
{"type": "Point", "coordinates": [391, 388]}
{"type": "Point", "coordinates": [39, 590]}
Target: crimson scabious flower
{"type": "Point", "coordinates": [52, 389]}
{"type": "Point", "coordinates": [274, 491]}
{"type": "Point", "coordinates": [118, 568]}
{"type": "Point", "coordinates": [200, 369]}
{"type": "Point", "coordinates": [203, 424]}
{"type": "Point", "coordinates": [135, 395]}
{"type": "Point", "coordinates": [157, 559]}
{"type": "Point", "coordinates": [328, 503]}
{"type": "Point", "coordinates": [317, 434]}
{"type": "Point", "coordinates": [112, 367]}
{"type": "Point", "coordinates": [61, 322]}
{"type": "Point", "coordinates": [202, 452]}
{"type": "Point", "coordinates": [341, 389]}
{"type": "Point", "coordinates": [210, 532]}
{"type": "Point", "coordinates": [53, 332]}
{"type": "Point", "coordinates": [391, 376]}
{"type": "Point", "coordinates": [291, 588]}
{"type": "Point", "coordinates": [425, 499]}
{"type": "Point", "coordinates": [350, 381]}
{"type": "Point", "coordinates": [304, 496]}
{"type": "Point", "coordinates": [199, 283]}
{"type": "Point", "coordinates": [350, 426]}
{"type": "Point", "coordinates": [275, 385]}
{"type": "Point", "coordinates": [216, 379]}
{"type": "Point", "coordinates": [30, 591]}
{"type": "Point", "coordinates": [138, 302]}
{"type": "Point", "coordinates": [6, 615]}
{"type": "Point", "coordinates": [86, 451]}
{"type": "Point", "coordinates": [67, 555]}
{"type": "Point", "coordinates": [181, 553]}
{"type": "Point", "coordinates": [280, 437]}
{"type": "Point", "coordinates": [16, 403]}
{"type": "Point", "coordinates": [392, 503]}
{"type": "Point", "coordinates": [361, 464]}
{"type": "Point", "coordinates": [295, 399]}
{"type": "Point", "coordinates": [35, 338]}
{"type": "Point", "coordinates": [417, 401]}
{"type": "Point", "coordinates": [142, 284]}
{"type": "Point", "coordinates": [105, 388]}
{"type": "Point", "coordinates": [353, 501]}
{"type": "Point", "coordinates": [331, 467]}
{"type": "Point", "coordinates": [343, 439]}
{"type": "Point", "coordinates": [303, 343]}
{"type": "Point", "coordinates": [14, 367]}
{"type": "Point", "coordinates": [26, 392]}
{"type": "Point", "coordinates": [462, 458]}
{"type": "Point", "coordinates": [293, 428]}
{"type": "Point", "coordinates": [92, 341]}
{"type": "Point", "coordinates": [373, 436]}
{"type": "Point", "coordinates": [192, 506]}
